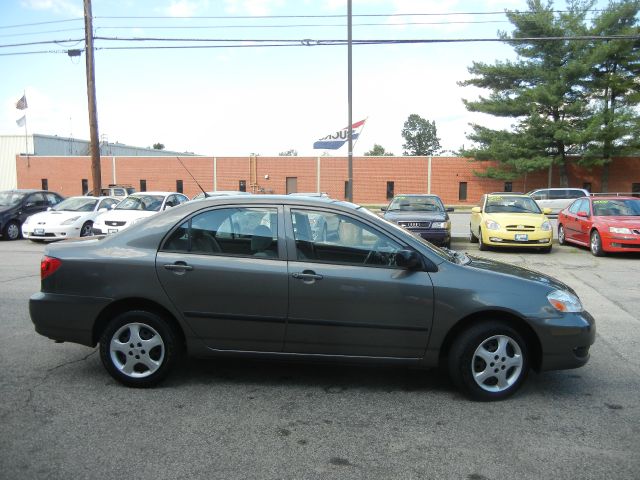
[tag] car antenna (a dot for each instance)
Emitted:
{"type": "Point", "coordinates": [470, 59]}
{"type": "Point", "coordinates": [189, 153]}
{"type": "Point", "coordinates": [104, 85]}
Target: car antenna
{"type": "Point", "coordinates": [206, 195]}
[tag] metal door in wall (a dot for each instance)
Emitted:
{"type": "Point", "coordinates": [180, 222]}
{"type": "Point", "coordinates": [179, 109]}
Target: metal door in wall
{"type": "Point", "coordinates": [292, 185]}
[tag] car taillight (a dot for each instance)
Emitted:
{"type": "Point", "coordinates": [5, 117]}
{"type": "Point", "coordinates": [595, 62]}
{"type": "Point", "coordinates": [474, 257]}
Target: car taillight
{"type": "Point", "coordinates": [48, 265]}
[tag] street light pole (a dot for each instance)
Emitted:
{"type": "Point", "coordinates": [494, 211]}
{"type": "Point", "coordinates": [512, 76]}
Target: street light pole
{"type": "Point", "coordinates": [96, 174]}
{"type": "Point", "coordinates": [350, 101]}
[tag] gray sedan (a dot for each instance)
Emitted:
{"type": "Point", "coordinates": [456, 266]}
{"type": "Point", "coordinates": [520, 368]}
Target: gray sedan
{"type": "Point", "coordinates": [245, 276]}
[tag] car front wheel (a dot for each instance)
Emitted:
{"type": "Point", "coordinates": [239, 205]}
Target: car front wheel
{"type": "Point", "coordinates": [489, 361]}
{"type": "Point", "coordinates": [596, 244]}
{"type": "Point", "coordinates": [472, 237]}
{"type": "Point", "coordinates": [139, 348]}
{"type": "Point", "coordinates": [481, 245]}
{"type": "Point", "coordinates": [12, 231]}
{"type": "Point", "coordinates": [86, 229]}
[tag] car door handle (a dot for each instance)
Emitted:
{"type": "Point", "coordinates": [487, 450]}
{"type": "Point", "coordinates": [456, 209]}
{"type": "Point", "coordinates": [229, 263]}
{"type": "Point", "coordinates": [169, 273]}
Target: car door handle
{"type": "Point", "coordinates": [178, 267]}
{"type": "Point", "coordinates": [306, 276]}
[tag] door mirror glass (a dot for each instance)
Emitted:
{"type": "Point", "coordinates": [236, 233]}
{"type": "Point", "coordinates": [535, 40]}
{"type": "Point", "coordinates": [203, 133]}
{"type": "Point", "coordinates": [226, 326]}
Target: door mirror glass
{"type": "Point", "coordinates": [583, 214]}
{"type": "Point", "coordinates": [546, 211]}
{"type": "Point", "coordinates": [476, 210]}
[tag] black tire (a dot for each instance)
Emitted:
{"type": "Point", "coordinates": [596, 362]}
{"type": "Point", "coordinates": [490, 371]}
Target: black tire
{"type": "Point", "coordinates": [561, 236]}
{"type": "Point", "coordinates": [595, 244]}
{"type": "Point", "coordinates": [472, 237]}
{"type": "Point", "coordinates": [481, 245]}
{"type": "Point", "coordinates": [128, 361]}
{"type": "Point", "coordinates": [508, 364]}
{"type": "Point", "coordinates": [87, 229]}
{"type": "Point", "coordinates": [11, 231]}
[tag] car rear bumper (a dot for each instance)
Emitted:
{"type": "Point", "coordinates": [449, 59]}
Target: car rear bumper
{"type": "Point", "coordinates": [66, 318]}
{"type": "Point", "coordinates": [566, 340]}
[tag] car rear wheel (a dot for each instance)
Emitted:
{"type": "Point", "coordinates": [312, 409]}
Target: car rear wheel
{"type": "Point", "coordinates": [139, 348]}
{"type": "Point", "coordinates": [489, 361]}
{"type": "Point", "coordinates": [561, 239]}
{"type": "Point", "coordinates": [11, 231]}
{"type": "Point", "coordinates": [86, 229]}
{"type": "Point", "coordinates": [596, 244]}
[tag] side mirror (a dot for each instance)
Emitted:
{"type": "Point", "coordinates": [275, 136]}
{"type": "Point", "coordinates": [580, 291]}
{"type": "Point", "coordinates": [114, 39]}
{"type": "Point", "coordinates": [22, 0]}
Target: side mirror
{"type": "Point", "coordinates": [476, 210]}
{"type": "Point", "coordinates": [167, 207]}
{"type": "Point", "coordinates": [408, 259]}
{"type": "Point", "coordinates": [102, 210]}
{"type": "Point", "coordinates": [383, 209]}
{"type": "Point", "coordinates": [49, 209]}
{"type": "Point", "coordinates": [450, 209]}
{"type": "Point", "coordinates": [29, 204]}
{"type": "Point", "coordinates": [583, 214]}
{"type": "Point", "coordinates": [113, 205]}
{"type": "Point", "coordinates": [546, 211]}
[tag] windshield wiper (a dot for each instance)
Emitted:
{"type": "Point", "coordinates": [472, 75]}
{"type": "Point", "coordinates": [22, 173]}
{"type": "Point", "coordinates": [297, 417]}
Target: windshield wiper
{"type": "Point", "coordinates": [459, 257]}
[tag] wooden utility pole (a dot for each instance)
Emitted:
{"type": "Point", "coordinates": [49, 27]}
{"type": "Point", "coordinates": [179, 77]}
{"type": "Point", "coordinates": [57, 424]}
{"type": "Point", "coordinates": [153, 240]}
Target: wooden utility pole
{"type": "Point", "coordinates": [96, 174]}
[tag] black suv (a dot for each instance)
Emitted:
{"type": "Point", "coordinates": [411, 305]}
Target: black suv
{"type": "Point", "coordinates": [17, 205]}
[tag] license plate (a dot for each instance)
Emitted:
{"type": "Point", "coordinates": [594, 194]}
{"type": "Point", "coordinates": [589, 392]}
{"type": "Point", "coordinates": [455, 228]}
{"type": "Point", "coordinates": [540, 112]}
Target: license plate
{"type": "Point", "coordinates": [38, 231]}
{"type": "Point", "coordinates": [113, 230]}
{"type": "Point", "coordinates": [522, 237]}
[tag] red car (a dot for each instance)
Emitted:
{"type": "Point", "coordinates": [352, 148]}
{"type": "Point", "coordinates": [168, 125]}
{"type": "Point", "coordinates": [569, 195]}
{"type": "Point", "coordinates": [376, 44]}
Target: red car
{"type": "Point", "coordinates": [603, 223]}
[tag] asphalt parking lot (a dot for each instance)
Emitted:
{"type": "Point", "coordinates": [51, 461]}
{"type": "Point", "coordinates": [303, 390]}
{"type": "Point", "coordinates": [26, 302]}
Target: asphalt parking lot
{"type": "Point", "coordinates": [62, 416]}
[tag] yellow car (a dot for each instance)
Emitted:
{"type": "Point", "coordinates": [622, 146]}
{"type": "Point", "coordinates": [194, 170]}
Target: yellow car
{"type": "Point", "coordinates": [510, 220]}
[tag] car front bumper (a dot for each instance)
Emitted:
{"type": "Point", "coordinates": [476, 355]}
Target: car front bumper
{"type": "Point", "coordinates": [439, 237]}
{"type": "Point", "coordinates": [66, 318]}
{"type": "Point", "coordinates": [565, 340]}
{"type": "Point", "coordinates": [615, 242]}
{"type": "Point", "coordinates": [50, 234]}
{"type": "Point", "coordinates": [503, 238]}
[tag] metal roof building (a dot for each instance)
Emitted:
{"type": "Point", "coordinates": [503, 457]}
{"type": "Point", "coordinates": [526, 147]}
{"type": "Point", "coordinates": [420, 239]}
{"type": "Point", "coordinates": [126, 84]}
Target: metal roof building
{"type": "Point", "coordinates": [52, 145]}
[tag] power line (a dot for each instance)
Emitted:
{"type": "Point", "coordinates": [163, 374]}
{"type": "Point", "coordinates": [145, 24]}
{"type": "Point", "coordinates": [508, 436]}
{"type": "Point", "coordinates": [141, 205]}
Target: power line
{"type": "Point", "coordinates": [42, 23]}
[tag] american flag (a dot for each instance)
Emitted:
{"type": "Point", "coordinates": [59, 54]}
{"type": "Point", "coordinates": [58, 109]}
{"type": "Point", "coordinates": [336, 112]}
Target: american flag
{"type": "Point", "coordinates": [22, 103]}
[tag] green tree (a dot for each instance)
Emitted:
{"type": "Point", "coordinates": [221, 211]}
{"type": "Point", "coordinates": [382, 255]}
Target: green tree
{"type": "Point", "coordinates": [420, 136]}
{"type": "Point", "coordinates": [378, 151]}
{"type": "Point", "coordinates": [289, 153]}
{"type": "Point", "coordinates": [158, 146]}
{"type": "Point", "coordinates": [612, 124]}
{"type": "Point", "coordinates": [541, 91]}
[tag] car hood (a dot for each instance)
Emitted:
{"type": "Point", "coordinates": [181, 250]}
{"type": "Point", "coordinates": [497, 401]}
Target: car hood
{"type": "Point", "coordinates": [124, 215]}
{"type": "Point", "coordinates": [54, 217]}
{"type": "Point", "coordinates": [504, 219]}
{"type": "Point", "coordinates": [6, 208]}
{"type": "Point", "coordinates": [516, 271]}
{"type": "Point", "coordinates": [629, 222]}
{"type": "Point", "coordinates": [416, 216]}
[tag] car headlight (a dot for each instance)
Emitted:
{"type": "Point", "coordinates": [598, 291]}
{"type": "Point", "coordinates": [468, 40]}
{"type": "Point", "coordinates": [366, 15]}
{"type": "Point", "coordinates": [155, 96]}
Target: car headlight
{"type": "Point", "coordinates": [492, 225]}
{"type": "Point", "coordinates": [546, 226]}
{"type": "Point", "coordinates": [564, 301]}
{"type": "Point", "coordinates": [442, 225]}
{"type": "Point", "coordinates": [623, 230]}
{"type": "Point", "coordinates": [70, 220]}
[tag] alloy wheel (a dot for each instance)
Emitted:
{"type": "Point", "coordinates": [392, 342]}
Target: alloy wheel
{"type": "Point", "coordinates": [497, 363]}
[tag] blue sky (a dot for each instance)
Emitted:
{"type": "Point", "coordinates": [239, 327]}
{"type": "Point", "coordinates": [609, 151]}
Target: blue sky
{"type": "Point", "coordinates": [249, 99]}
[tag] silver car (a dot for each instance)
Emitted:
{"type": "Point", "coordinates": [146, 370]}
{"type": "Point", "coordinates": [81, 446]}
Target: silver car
{"type": "Point", "coordinates": [556, 199]}
{"type": "Point", "coordinates": [245, 276]}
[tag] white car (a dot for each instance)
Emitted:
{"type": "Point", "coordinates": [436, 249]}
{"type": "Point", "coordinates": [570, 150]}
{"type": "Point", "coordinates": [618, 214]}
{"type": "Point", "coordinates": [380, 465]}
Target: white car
{"type": "Point", "coordinates": [134, 208]}
{"type": "Point", "coordinates": [72, 217]}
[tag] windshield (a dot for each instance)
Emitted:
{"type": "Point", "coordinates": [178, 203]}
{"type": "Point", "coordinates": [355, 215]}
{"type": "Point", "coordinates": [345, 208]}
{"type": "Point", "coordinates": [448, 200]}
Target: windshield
{"type": "Point", "coordinates": [148, 203]}
{"type": "Point", "coordinates": [511, 204]}
{"type": "Point", "coordinates": [10, 198]}
{"type": "Point", "coordinates": [616, 208]}
{"type": "Point", "coordinates": [76, 204]}
{"type": "Point", "coordinates": [416, 204]}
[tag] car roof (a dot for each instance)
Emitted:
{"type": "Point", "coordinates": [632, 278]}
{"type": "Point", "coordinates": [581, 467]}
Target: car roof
{"type": "Point", "coordinates": [416, 195]}
{"type": "Point", "coordinates": [611, 197]}
{"type": "Point", "coordinates": [278, 199]}
{"type": "Point", "coordinates": [516, 194]}
{"type": "Point", "coordinates": [155, 193]}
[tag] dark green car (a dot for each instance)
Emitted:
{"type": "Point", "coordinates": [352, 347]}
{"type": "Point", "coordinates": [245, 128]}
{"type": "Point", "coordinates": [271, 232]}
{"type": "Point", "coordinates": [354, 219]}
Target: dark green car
{"type": "Point", "coordinates": [245, 276]}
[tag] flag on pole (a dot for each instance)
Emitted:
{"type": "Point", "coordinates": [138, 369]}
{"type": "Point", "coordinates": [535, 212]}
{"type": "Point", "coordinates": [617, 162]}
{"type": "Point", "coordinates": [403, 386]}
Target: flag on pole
{"type": "Point", "coordinates": [21, 121]}
{"type": "Point", "coordinates": [336, 140]}
{"type": "Point", "coordinates": [22, 103]}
